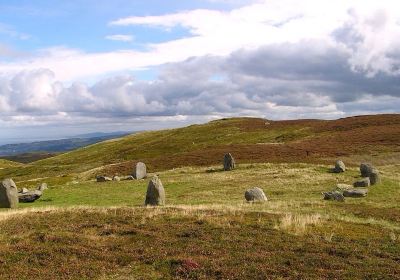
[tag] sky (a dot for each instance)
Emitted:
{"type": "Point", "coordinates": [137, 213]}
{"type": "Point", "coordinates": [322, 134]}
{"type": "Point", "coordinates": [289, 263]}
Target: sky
{"type": "Point", "coordinates": [73, 67]}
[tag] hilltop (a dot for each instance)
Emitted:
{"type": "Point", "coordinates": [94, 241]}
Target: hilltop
{"type": "Point", "coordinates": [249, 139]}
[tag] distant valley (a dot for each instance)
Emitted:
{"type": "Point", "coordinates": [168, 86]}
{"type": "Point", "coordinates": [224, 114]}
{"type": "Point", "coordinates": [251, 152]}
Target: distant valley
{"type": "Point", "coordinates": [28, 152]}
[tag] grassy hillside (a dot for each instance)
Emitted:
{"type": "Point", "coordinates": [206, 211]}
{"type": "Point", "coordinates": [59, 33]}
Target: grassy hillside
{"type": "Point", "coordinates": [7, 164]}
{"type": "Point", "coordinates": [86, 230]}
{"type": "Point", "coordinates": [81, 229]}
{"type": "Point", "coordinates": [249, 139]}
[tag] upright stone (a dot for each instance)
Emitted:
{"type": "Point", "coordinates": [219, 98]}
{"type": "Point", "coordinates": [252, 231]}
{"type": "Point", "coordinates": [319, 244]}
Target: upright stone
{"type": "Point", "coordinates": [140, 171]}
{"type": "Point", "coordinates": [374, 177]}
{"type": "Point", "coordinates": [229, 162]}
{"type": "Point", "coordinates": [365, 169]}
{"type": "Point", "coordinates": [255, 195]}
{"type": "Point", "coordinates": [155, 194]}
{"type": "Point", "coordinates": [8, 194]}
{"type": "Point", "coordinates": [339, 167]}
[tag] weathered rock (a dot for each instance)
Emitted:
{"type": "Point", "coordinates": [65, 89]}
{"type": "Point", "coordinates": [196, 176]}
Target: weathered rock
{"type": "Point", "coordinates": [255, 195]}
{"type": "Point", "coordinates": [343, 187]}
{"type": "Point", "coordinates": [355, 193]}
{"type": "Point", "coordinates": [24, 190]}
{"type": "Point", "coordinates": [335, 195]}
{"type": "Point", "coordinates": [103, 179]}
{"type": "Point", "coordinates": [116, 178]}
{"type": "Point", "coordinates": [362, 183]}
{"type": "Point", "coordinates": [155, 194]}
{"type": "Point", "coordinates": [42, 187]}
{"type": "Point", "coordinates": [30, 196]}
{"type": "Point", "coordinates": [374, 177]}
{"type": "Point", "coordinates": [229, 162]}
{"type": "Point", "coordinates": [140, 171]}
{"type": "Point", "coordinates": [8, 194]}
{"type": "Point", "coordinates": [365, 169]}
{"type": "Point", "coordinates": [339, 167]}
{"type": "Point", "coordinates": [130, 177]}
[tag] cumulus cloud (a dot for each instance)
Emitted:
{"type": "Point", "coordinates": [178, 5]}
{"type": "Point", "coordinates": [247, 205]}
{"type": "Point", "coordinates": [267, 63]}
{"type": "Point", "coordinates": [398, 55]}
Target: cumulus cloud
{"type": "Point", "coordinates": [368, 30]}
{"type": "Point", "coordinates": [120, 37]}
{"type": "Point", "coordinates": [280, 81]}
{"type": "Point", "coordinates": [275, 59]}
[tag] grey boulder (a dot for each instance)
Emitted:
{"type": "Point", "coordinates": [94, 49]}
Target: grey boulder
{"type": "Point", "coordinates": [339, 167]}
{"type": "Point", "coordinates": [116, 178]}
{"type": "Point", "coordinates": [335, 195]}
{"type": "Point", "coordinates": [140, 171]}
{"type": "Point", "coordinates": [155, 194]}
{"type": "Point", "coordinates": [255, 195]}
{"type": "Point", "coordinates": [29, 196]}
{"type": "Point", "coordinates": [365, 169]}
{"type": "Point", "coordinates": [8, 194]}
{"type": "Point", "coordinates": [229, 162]}
{"type": "Point", "coordinates": [355, 193]}
{"type": "Point", "coordinates": [374, 177]}
{"type": "Point", "coordinates": [362, 183]}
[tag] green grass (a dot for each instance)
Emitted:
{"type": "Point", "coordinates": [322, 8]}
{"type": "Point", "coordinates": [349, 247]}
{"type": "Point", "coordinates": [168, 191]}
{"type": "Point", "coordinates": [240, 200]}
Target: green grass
{"type": "Point", "coordinates": [7, 164]}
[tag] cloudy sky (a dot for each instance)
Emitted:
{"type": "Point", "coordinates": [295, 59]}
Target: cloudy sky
{"type": "Point", "coordinates": [77, 66]}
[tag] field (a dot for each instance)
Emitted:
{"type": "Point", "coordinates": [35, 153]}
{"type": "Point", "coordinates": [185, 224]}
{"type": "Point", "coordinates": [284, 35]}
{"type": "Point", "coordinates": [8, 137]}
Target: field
{"type": "Point", "coordinates": [81, 229]}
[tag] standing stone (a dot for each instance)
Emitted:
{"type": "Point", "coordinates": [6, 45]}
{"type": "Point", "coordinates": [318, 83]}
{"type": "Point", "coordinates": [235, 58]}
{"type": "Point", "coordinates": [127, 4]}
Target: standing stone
{"type": "Point", "coordinates": [362, 183]}
{"type": "Point", "coordinates": [365, 169]}
{"type": "Point", "coordinates": [155, 192]}
{"type": "Point", "coordinates": [255, 195]}
{"type": "Point", "coordinates": [229, 162]}
{"type": "Point", "coordinates": [339, 167]}
{"type": "Point", "coordinates": [374, 177]}
{"type": "Point", "coordinates": [140, 171]}
{"type": "Point", "coordinates": [8, 194]}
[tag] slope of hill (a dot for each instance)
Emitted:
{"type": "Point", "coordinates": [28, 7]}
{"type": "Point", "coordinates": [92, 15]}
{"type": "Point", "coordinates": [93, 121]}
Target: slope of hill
{"type": "Point", "coordinates": [249, 139]}
{"type": "Point", "coordinates": [7, 164]}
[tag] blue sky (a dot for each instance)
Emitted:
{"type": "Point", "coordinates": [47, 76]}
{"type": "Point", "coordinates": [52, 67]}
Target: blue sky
{"type": "Point", "coordinates": [90, 65]}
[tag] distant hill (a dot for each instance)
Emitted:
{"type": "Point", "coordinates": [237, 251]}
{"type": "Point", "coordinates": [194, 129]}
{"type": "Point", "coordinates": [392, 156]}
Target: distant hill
{"type": "Point", "coordinates": [248, 139]}
{"type": "Point", "coordinates": [56, 146]}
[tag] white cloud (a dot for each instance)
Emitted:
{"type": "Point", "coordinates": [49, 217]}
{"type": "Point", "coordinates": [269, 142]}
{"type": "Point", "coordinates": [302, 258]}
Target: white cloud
{"type": "Point", "coordinates": [120, 37]}
{"type": "Point", "coordinates": [373, 23]}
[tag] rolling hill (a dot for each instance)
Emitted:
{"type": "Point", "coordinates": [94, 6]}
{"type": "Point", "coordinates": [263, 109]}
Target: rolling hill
{"type": "Point", "coordinates": [249, 139]}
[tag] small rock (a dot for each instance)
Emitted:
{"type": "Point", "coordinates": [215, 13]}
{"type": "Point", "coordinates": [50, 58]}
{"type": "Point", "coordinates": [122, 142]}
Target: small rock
{"type": "Point", "coordinates": [140, 171]}
{"type": "Point", "coordinates": [343, 187]}
{"type": "Point", "coordinates": [335, 195]}
{"type": "Point", "coordinates": [229, 162]}
{"type": "Point", "coordinates": [339, 167]}
{"type": "Point", "coordinates": [103, 179]}
{"type": "Point", "coordinates": [24, 190]}
{"type": "Point", "coordinates": [8, 194]}
{"type": "Point", "coordinates": [362, 183]}
{"type": "Point", "coordinates": [42, 187]}
{"type": "Point", "coordinates": [255, 195]}
{"type": "Point", "coordinates": [128, 178]}
{"type": "Point", "coordinates": [155, 194]}
{"type": "Point", "coordinates": [116, 178]}
{"type": "Point", "coordinates": [30, 196]}
{"type": "Point", "coordinates": [355, 193]}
